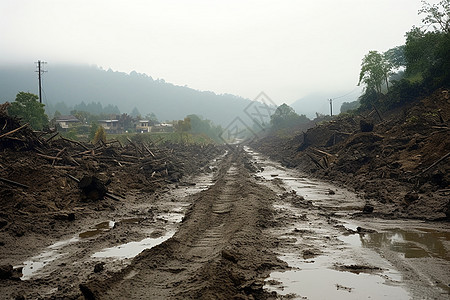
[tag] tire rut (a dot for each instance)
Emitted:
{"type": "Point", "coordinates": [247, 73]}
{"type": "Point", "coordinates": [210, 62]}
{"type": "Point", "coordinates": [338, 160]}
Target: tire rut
{"type": "Point", "coordinates": [219, 252]}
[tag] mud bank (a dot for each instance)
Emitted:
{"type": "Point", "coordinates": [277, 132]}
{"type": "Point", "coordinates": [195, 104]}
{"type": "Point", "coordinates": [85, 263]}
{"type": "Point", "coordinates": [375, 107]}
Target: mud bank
{"type": "Point", "coordinates": [400, 166]}
{"type": "Point", "coordinates": [335, 252]}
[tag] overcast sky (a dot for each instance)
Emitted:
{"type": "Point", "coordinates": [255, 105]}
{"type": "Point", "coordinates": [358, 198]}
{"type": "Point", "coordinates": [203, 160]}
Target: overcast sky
{"type": "Point", "coordinates": [288, 49]}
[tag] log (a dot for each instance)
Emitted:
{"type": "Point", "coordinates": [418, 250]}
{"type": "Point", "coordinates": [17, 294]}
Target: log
{"type": "Point", "coordinates": [321, 151]}
{"type": "Point", "coordinates": [115, 141]}
{"type": "Point", "coordinates": [65, 167]}
{"type": "Point", "coordinates": [435, 163]}
{"type": "Point", "coordinates": [135, 146]}
{"type": "Point", "coordinates": [58, 154]}
{"type": "Point", "coordinates": [52, 137]}
{"type": "Point", "coordinates": [129, 156]}
{"type": "Point", "coordinates": [378, 113]}
{"type": "Point", "coordinates": [112, 196]}
{"type": "Point", "coordinates": [49, 157]}
{"type": "Point", "coordinates": [74, 142]}
{"type": "Point", "coordinates": [148, 150]}
{"type": "Point", "coordinates": [12, 131]}
{"type": "Point", "coordinates": [315, 161]}
{"type": "Point", "coordinates": [14, 183]}
{"type": "Point", "coordinates": [73, 178]}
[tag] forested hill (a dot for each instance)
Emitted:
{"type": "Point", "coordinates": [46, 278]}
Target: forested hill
{"type": "Point", "coordinates": [74, 84]}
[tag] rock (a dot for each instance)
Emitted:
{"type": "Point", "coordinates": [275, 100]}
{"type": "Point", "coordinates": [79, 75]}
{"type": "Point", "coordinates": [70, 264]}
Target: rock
{"type": "Point", "coordinates": [365, 126]}
{"type": "Point", "coordinates": [65, 217]}
{"type": "Point", "coordinates": [411, 197]}
{"type": "Point", "coordinates": [99, 267]}
{"type": "Point", "coordinates": [368, 209]}
{"type": "Point", "coordinates": [6, 271]}
{"type": "Point", "coordinates": [92, 188]}
{"type": "Point", "coordinates": [229, 255]}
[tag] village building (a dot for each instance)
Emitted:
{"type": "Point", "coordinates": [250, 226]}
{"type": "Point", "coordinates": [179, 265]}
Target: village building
{"type": "Point", "coordinates": [66, 122]}
{"type": "Point", "coordinates": [110, 126]}
{"type": "Point", "coordinates": [143, 126]}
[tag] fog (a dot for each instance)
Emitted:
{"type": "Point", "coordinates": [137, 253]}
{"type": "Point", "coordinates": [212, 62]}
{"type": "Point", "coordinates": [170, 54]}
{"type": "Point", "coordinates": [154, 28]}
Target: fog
{"type": "Point", "coordinates": [288, 49]}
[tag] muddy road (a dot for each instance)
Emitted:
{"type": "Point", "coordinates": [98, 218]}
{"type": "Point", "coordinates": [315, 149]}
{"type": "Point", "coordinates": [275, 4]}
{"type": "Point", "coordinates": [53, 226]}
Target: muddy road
{"type": "Point", "coordinates": [248, 229]}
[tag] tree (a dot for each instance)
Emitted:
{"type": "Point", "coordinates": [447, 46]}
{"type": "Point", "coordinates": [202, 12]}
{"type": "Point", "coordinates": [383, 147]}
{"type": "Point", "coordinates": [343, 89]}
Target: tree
{"type": "Point", "coordinates": [183, 126]}
{"type": "Point", "coordinates": [437, 15]}
{"type": "Point", "coordinates": [135, 112]}
{"type": "Point", "coordinates": [100, 134]}
{"type": "Point", "coordinates": [375, 70]}
{"type": "Point", "coordinates": [396, 57]}
{"type": "Point", "coordinates": [347, 106]}
{"type": "Point", "coordinates": [27, 107]}
{"type": "Point", "coordinates": [92, 130]}
{"type": "Point", "coordinates": [426, 51]}
{"type": "Point", "coordinates": [285, 117]}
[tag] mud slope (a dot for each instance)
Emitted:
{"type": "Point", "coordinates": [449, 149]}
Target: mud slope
{"type": "Point", "coordinates": [219, 252]}
{"type": "Point", "coordinates": [398, 161]}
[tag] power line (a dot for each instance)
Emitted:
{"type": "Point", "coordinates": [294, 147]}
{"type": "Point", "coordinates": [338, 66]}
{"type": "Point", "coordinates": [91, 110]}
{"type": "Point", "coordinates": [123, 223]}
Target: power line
{"type": "Point", "coordinates": [346, 94]}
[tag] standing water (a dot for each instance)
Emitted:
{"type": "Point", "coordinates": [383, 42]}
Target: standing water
{"type": "Point", "coordinates": [327, 258]}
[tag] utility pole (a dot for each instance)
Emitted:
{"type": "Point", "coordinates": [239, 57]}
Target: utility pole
{"type": "Point", "coordinates": [331, 107]}
{"type": "Point", "coordinates": [40, 71]}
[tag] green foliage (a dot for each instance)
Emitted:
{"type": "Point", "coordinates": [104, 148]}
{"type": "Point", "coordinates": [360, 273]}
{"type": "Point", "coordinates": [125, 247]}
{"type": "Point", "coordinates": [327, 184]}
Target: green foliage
{"type": "Point", "coordinates": [396, 57]}
{"type": "Point", "coordinates": [27, 107]}
{"type": "Point", "coordinates": [182, 127]}
{"type": "Point", "coordinates": [100, 135]}
{"type": "Point", "coordinates": [427, 51]}
{"type": "Point", "coordinates": [92, 130]}
{"type": "Point", "coordinates": [375, 70]}
{"type": "Point", "coordinates": [285, 117]}
{"type": "Point", "coordinates": [425, 57]}
{"type": "Point", "coordinates": [437, 15]}
{"type": "Point", "coordinates": [348, 106]}
{"type": "Point", "coordinates": [151, 117]}
{"type": "Point", "coordinates": [206, 127]}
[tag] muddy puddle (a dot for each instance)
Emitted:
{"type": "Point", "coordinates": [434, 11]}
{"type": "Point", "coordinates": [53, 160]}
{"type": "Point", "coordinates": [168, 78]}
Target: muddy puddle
{"type": "Point", "coordinates": [168, 213]}
{"type": "Point", "coordinates": [131, 249]}
{"type": "Point", "coordinates": [330, 260]}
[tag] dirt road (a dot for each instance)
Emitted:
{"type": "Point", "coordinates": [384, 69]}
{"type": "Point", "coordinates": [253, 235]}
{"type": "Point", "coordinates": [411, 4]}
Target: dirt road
{"type": "Point", "coordinates": [219, 252]}
{"type": "Point", "coordinates": [251, 229]}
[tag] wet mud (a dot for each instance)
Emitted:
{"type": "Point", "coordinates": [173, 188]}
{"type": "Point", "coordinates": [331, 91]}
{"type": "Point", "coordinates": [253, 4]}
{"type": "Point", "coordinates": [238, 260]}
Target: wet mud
{"type": "Point", "coordinates": [249, 229]}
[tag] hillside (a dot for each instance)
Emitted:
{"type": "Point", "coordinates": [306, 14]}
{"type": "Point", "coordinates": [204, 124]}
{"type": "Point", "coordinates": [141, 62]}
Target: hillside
{"type": "Point", "coordinates": [73, 84]}
{"type": "Point", "coordinates": [400, 166]}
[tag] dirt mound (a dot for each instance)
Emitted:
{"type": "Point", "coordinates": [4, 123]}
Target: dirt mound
{"type": "Point", "coordinates": [398, 160]}
{"type": "Point", "coordinates": [41, 194]}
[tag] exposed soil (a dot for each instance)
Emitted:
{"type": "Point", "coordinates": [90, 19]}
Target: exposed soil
{"type": "Point", "coordinates": [219, 252]}
{"type": "Point", "coordinates": [398, 160]}
{"type": "Point", "coordinates": [230, 225]}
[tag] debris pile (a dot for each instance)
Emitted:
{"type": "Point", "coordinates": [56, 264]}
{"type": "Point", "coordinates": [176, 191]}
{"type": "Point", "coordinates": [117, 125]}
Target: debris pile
{"type": "Point", "coordinates": [397, 160]}
{"type": "Point", "coordinates": [44, 175]}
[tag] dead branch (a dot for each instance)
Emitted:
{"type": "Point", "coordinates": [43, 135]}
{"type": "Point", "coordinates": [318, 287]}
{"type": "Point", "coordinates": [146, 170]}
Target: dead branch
{"type": "Point", "coordinates": [315, 161]}
{"type": "Point", "coordinates": [435, 163]}
{"type": "Point", "coordinates": [49, 157]}
{"type": "Point", "coordinates": [74, 142]}
{"type": "Point", "coordinates": [12, 131]}
{"type": "Point", "coordinates": [52, 137]}
{"type": "Point", "coordinates": [148, 150]}
{"type": "Point", "coordinates": [14, 183]}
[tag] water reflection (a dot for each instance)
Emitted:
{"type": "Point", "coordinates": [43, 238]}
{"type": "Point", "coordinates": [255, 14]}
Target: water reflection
{"type": "Point", "coordinates": [412, 244]}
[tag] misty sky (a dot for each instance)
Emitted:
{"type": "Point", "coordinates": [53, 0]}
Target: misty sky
{"type": "Point", "coordinates": [286, 48]}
